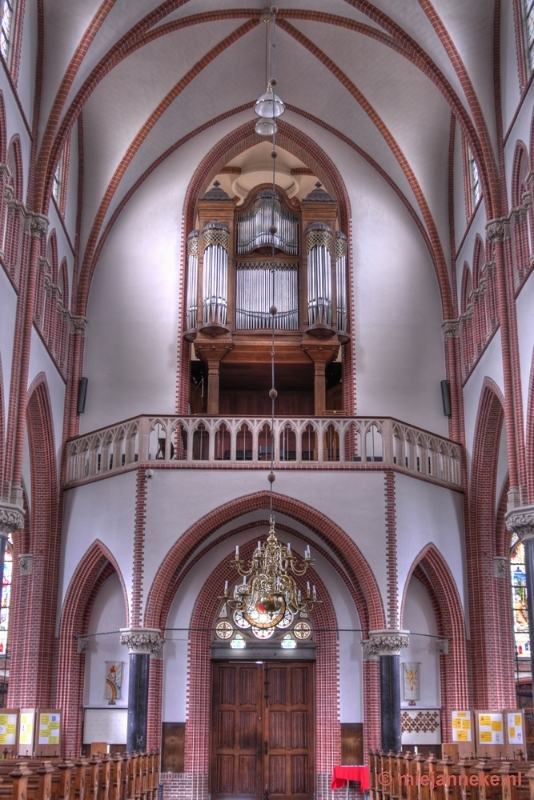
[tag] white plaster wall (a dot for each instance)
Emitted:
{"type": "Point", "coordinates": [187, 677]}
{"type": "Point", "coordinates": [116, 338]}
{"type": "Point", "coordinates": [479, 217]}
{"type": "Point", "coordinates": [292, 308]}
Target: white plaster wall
{"type": "Point", "coordinates": [460, 221]}
{"type": "Point", "coordinates": [519, 132]}
{"type": "Point", "coordinates": [175, 650]}
{"type": "Point", "coordinates": [419, 619]}
{"type": "Point", "coordinates": [71, 209]}
{"type": "Point", "coordinates": [131, 338]}
{"type": "Point", "coordinates": [40, 361]}
{"type": "Point", "coordinates": [108, 614]}
{"type": "Point", "coordinates": [510, 91]}
{"type": "Point", "coordinates": [104, 510]}
{"type": "Point", "coordinates": [28, 59]}
{"type": "Point", "coordinates": [502, 467]}
{"type": "Point", "coordinates": [15, 123]}
{"type": "Point", "coordinates": [525, 335]}
{"type": "Point", "coordinates": [467, 249]}
{"type": "Point", "coordinates": [397, 308]}
{"type": "Point", "coordinates": [176, 499]}
{"type": "Point", "coordinates": [429, 514]}
{"type": "Point", "coordinates": [489, 365]}
{"type": "Point", "coordinates": [8, 313]}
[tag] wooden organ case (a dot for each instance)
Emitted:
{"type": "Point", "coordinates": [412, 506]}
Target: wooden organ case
{"type": "Point", "coordinates": [231, 275]}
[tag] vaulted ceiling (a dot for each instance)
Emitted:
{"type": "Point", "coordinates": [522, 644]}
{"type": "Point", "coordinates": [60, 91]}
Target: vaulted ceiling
{"type": "Point", "coordinates": [383, 77]}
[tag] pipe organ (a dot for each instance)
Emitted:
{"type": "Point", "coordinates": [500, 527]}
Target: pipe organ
{"type": "Point", "coordinates": [240, 262]}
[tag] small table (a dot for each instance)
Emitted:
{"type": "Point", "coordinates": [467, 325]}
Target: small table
{"type": "Point", "coordinates": [342, 775]}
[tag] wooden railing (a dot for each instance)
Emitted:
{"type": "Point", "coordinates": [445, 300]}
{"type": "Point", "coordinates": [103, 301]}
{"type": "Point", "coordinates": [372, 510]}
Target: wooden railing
{"type": "Point", "coordinates": [116, 777]}
{"type": "Point", "coordinates": [306, 442]}
{"type": "Point", "coordinates": [413, 777]}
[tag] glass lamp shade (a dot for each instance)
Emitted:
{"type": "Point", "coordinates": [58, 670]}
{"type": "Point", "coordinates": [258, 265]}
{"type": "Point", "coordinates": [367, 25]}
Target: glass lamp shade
{"type": "Point", "coordinates": [269, 105]}
{"type": "Point", "coordinates": [265, 126]}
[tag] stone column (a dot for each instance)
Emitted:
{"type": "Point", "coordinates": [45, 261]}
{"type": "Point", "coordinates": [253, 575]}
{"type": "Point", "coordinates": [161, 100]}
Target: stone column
{"type": "Point", "coordinates": [141, 644]}
{"type": "Point", "coordinates": [521, 521]}
{"type": "Point", "coordinates": [387, 644]}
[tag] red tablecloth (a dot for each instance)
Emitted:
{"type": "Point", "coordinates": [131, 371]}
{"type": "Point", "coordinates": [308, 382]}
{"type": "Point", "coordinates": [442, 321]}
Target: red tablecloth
{"type": "Point", "coordinates": [341, 775]}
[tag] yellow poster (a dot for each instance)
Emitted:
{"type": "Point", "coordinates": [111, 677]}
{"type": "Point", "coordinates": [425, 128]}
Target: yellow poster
{"type": "Point", "coordinates": [461, 726]}
{"type": "Point", "coordinates": [49, 729]}
{"type": "Point", "coordinates": [515, 728]}
{"type": "Point", "coordinates": [26, 729]}
{"type": "Point", "coordinates": [491, 728]}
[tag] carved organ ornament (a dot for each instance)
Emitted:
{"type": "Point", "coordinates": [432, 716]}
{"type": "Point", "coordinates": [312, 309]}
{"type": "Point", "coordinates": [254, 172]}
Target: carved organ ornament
{"type": "Point", "coordinates": [235, 276]}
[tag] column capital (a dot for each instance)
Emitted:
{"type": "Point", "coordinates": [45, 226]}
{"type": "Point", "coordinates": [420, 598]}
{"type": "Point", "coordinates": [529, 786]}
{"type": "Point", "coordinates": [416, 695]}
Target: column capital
{"type": "Point", "coordinates": [521, 521]}
{"type": "Point", "coordinates": [78, 324]}
{"type": "Point", "coordinates": [142, 641]}
{"type": "Point", "coordinates": [11, 518]}
{"type": "Point", "coordinates": [387, 642]}
{"type": "Point", "coordinates": [495, 230]}
{"type": "Point", "coordinates": [451, 328]}
{"type": "Point", "coordinates": [38, 225]}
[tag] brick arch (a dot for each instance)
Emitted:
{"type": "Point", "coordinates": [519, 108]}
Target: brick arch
{"type": "Point", "coordinates": [530, 433]}
{"type": "Point", "coordinates": [14, 162]}
{"type": "Point", "coordinates": [34, 599]}
{"type": "Point", "coordinates": [432, 570]}
{"type": "Point", "coordinates": [2, 428]}
{"type": "Point", "coordinates": [3, 130]}
{"type": "Point", "coordinates": [478, 260]}
{"type": "Point", "coordinates": [493, 687]}
{"type": "Point", "coordinates": [328, 732]}
{"type": "Point", "coordinates": [358, 572]}
{"type": "Point", "coordinates": [96, 565]}
{"type": "Point", "coordinates": [520, 171]}
{"type": "Point", "coordinates": [467, 287]}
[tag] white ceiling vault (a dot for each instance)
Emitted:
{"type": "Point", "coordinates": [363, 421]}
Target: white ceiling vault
{"type": "Point", "coordinates": [146, 74]}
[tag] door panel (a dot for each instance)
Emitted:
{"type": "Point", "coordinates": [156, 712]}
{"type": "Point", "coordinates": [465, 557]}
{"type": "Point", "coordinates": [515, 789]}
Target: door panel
{"type": "Point", "coordinates": [262, 731]}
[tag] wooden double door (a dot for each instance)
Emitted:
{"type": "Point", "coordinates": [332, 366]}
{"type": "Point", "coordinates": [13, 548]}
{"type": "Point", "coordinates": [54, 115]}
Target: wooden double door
{"type": "Point", "coordinates": [263, 731]}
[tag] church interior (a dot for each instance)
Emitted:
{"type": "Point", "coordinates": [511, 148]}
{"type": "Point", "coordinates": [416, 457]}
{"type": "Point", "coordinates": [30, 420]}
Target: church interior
{"type": "Point", "coordinates": [266, 392]}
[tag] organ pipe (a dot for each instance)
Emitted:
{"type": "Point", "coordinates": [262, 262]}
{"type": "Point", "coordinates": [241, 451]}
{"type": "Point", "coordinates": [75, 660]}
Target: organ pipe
{"type": "Point", "coordinates": [341, 281]}
{"type": "Point", "coordinates": [192, 279]}
{"type": "Point", "coordinates": [318, 246]}
{"type": "Point", "coordinates": [215, 273]}
{"type": "Point", "coordinates": [253, 227]}
{"type": "Point", "coordinates": [254, 295]}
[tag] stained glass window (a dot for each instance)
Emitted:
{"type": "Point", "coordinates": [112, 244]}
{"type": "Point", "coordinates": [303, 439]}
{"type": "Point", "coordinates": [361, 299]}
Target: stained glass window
{"type": "Point", "coordinates": [474, 177]}
{"type": "Point", "coordinates": [58, 180]}
{"type": "Point", "coordinates": [519, 599]}
{"type": "Point", "coordinates": [528, 6]}
{"type": "Point", "coordinates": [6, 30]}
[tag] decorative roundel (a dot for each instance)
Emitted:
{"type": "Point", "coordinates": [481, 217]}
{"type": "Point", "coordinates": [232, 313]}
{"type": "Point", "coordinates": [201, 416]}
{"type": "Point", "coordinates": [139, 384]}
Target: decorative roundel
{"type": "Point", "coordinates": [262, 633]}
{"type": "Point", "coordinates": [259, 619]}
{"type": "Point", "coordinates": [223, 629]}
{"type": "Point", "coordinates": [302, 630]}
{"type": "Point", "coordinates": [240, 620]}
{"type": "Point", "coordinates": [286, 620]}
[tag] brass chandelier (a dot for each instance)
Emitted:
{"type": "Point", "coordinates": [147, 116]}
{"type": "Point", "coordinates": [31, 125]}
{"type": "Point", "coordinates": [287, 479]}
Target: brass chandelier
{"type": "Point", "coordinates": [269, 589]}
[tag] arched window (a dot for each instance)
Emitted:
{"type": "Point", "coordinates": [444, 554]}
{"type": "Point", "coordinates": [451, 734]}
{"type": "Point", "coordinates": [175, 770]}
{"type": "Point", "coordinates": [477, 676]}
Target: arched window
{"type": "Point", "coordinates": [528, 20]}
{"type": "Point", "coordinates": [472, 185]}
{"type": "Point", "coordinates": [14, 228]}
{"type": "Point", "coordinates": [6, 558]}
{"type": "Point", "coordinates": [7, 30]}
{"type": "Point", "coordinates": [521, 215]}
{"type": "Point", "coordinates": [59, 184]}
{"type": "Point", "coordinates": [519, 598]}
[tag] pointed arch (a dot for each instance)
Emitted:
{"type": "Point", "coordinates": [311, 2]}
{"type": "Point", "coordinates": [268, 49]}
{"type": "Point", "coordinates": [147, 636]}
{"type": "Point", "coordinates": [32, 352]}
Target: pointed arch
{"type": "Point", "coordinates": [432, 570]}
{"type": "Point", "coordinates": [96, 565]}
{"type": "Point", "coordinates": [34, 601]}
{"type": "Point", "coordinates": [328, 742]}
{"type": "Point", "coordinates": [494, 686]}
{"type": "Point", "coordinates": [530, 433]}
{"type": "Point", "coordinates": [359, 574]}
{"type": "Point", "coordinates": [14, 226]}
